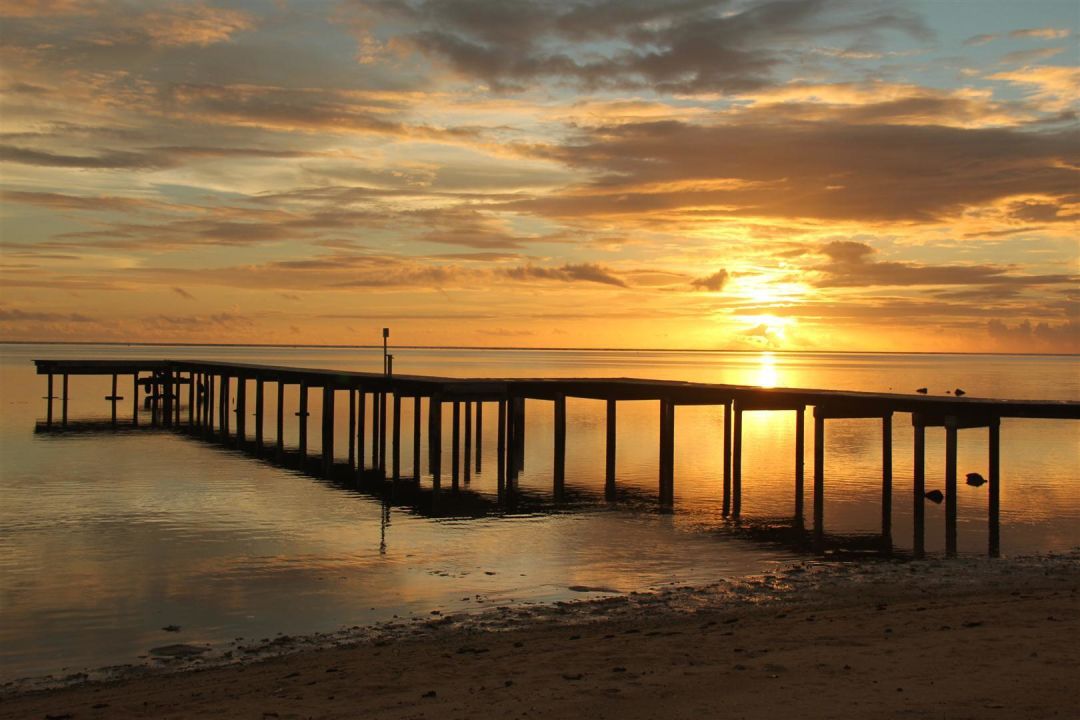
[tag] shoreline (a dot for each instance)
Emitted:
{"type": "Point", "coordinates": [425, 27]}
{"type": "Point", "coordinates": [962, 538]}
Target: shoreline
{"type": "Point", "coordinates": [797, 627]}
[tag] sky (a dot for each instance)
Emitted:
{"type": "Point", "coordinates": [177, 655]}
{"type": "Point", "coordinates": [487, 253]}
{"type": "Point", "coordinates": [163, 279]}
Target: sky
{"type": "Point", "coordinates": [821, 175]}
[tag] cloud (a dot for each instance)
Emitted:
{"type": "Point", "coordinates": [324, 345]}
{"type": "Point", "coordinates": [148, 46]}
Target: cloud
{"type": "Point", "coordinates": [981, 39]}
{"type": "Point", "coordinates": [712, 283]}
{"type": "Point", "coordinates": [1047, 33]}
{"type": "Point", "coordinates": [673, 46]}
{"type": "Point", "coordinates": [15, 315]}
{"type": "Point", "coordinates": [806, 170]}
{"type": "Point", "coordinates": [1061, 337]}
{"type": "Point", "coordinates": [198, 322]}
{"type": "Point", "coordinates": [584, 272]}
{"type": "Point", "coordinates": [850, 264]}
{"type": "Point", "coordinates": [183, 293]}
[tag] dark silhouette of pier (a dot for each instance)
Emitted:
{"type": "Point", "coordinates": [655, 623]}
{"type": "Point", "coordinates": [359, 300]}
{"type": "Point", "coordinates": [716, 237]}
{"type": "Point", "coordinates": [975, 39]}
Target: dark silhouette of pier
{"type": "Point", "coordinates": [196, 397]}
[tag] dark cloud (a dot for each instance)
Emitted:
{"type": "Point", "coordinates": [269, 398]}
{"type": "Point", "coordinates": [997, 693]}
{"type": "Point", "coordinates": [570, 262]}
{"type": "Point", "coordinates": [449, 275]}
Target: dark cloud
{"type": "Point", "coordinates": [1061, 337]}
{"type": "Point", "coordinates": [9, 315]}
{"type": "Point", "coordinates": [851, 264]}
{"type": "Point", "coordinates": [183, 293]}
{"type": "Point", "coordinates": [683, 46]}
{"type": "Point", "coordinates": [712, 283]}
{"type": "Point", "coordinates": [584, 272]}
{"type": "Point", "coordinates": [821, 170]}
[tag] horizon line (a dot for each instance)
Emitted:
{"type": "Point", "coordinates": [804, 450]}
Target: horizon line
{"type": "Point", "coordinates": [518, 348]}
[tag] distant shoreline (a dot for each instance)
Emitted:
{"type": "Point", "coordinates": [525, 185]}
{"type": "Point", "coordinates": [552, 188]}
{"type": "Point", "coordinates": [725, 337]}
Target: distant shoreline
{"type": "Point", "coordinates": [703, 351]}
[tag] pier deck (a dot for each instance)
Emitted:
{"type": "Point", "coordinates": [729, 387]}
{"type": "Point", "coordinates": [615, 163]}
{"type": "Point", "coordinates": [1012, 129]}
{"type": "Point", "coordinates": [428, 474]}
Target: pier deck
{"type": "Point", "coordinates": [213, 413]}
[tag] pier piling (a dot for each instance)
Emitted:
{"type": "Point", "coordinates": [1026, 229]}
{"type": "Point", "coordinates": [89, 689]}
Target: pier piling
{"type": "Point", "coordinates": [559, 442]}
{"type": "Point", "coordinates": [327, 430]}
{"type": "Point", "coordinates": [886, 482]}
{"type": "Point", "coordinates": [918, 487]}
{"type": "Point", "coordinates": [241, 410]}
{"type": "Point", "coordinates": [950, 486]}
{"type": "Point", "coordinates": [455, 445]}
{"type": "Point", "coordinates": [736, 462]}
{"type": "Point", "coordinates": [994, 487]}
{"type": "Point", "coordinates": [260, 403]}
{"type": "Point", "coordinates": [800, 461]}
{"type": "Point", "coordinates": [302, 414]}
{"type": "Point", "coordinates": [819, 479]}
{"type": "Point", "coordinates": [609, 455]}
{"type": "Point", "coordinates": [416, 438]}
{"type": "Point", "coordinates": [396, 439]}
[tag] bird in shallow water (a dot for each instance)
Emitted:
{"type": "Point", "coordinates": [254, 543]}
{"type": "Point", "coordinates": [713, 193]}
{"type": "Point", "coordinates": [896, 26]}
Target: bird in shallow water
{"type": "Point", "coordinates": [935, 496]}
{"type": "Point", "coordinates": [975, 480]}
{"type": "Point", "coordinates": [922, 391]}
{"type": "Point", "coordinates": [958, 392]}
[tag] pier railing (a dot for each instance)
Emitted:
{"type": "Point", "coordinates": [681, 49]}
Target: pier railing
{"type": "Point", "coordinates": [197, 396]}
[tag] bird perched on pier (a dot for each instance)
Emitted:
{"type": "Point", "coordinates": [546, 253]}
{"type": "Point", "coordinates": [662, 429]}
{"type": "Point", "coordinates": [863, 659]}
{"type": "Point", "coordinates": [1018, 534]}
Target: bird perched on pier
{"type": "Point", "coordinates": [935, 496]}
{"type": "Point", "coordinates": [922, 391]}
{"type": "Point", "coordinates": [975, 480]}
{"type": "Point", "coordinates": [958, 392]}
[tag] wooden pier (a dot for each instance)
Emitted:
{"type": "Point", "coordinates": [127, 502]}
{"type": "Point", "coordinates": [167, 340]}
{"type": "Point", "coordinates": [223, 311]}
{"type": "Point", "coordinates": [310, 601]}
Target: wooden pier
{"type": "Point", "coordinates": [198, 397]}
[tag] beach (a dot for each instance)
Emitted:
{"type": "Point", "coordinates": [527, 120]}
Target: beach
{"type": "Point", "coordinates": [966, 638]}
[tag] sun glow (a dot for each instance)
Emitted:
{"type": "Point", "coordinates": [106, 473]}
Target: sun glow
{"type": "Point", "coordinates": [767, 375]}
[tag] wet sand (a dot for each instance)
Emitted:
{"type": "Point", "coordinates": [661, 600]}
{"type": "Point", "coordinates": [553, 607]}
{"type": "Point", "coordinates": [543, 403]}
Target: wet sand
{"type": "Point", "coordinates": [968, 638]}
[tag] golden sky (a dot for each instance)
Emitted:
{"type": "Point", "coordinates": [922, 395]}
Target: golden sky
{"type": "Point", "coordinates": [794, 174]}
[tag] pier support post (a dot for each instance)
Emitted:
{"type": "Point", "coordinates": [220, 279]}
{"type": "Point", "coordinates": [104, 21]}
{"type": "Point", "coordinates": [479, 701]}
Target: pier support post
{"type": "Point", "coordinates": [511, 439]}
{"type": "Point", "coordinates": [800, 461]}
{"type": "Point", "coordinates": [134, 398]}
{"type": "Point", "coordinates": [212, 405]}
{"type": "Point", "coordinates": [994, 488]}
{"type": "Point", "coordinates": [64, 402]}
{"type": "Point", "coordinates": [382, 433]}
{"type": "Point", "coordinates": [327, 430]}
{"type": "Point", "coordinates": [48, 400]}
{"type": "Point", "coordinates": [886, 482]}
{"type": "Point", "coordinates": [260, 407]}
{"type": "Point", "coordinates": [352, 429]}
{"type": "Point", "coordinates": [435, 439]}
{"type": "Point", "coordinates": [361, 421]}
{"type": "Point", "coordinates": [113, 397]}
{"type": "Point", "coordinates": [166, 397]}
{"type": "Point", "coordinates": [479, 433]}
{"type": "Point", "coordinates": [241, 411]}
{"type": "Point", "coordinates": [279, 441]}
{"type": "Point", "coordinates": [736, 463]}
{"type": "Point", "coordinates": [302, 414]}
{"type": "Point", "coordinates": [559, 460]}
{"type": "Point", "coordinates": [375, 431]}
{"type": "Point", "coordinates": [727, 459]}
{"type": "Point", "coordinates": [500, 449]}
{"type": "Point", "coordinates": [455, 450]}
{"type": "Point", "coordinates": [226, 405]}
{"type": "Point", "coordinates": [416, 438]}
{"type": "Point", "coordinates": [918, 510]}
{"type": "Point", "coordinates": [609, 464]}
{"type": "Point", "coordinates": [819, 480]}
{"type": "Point", "coordinates": [191, 399]}
{"type": "Point", "coordinates": [395, 457]}
{"type": "Point", "coordinates": [667, 453]}
{"type": "Point", "coordinates": [950, 486]}
{"type": "Point", "coordinates": [467, 450]}
{"type": "Point", "coordinates": [519, 435]}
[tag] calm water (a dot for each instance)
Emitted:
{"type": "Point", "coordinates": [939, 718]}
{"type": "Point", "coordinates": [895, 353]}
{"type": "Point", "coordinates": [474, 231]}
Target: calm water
{"type": "Point", "coordinates": [106, 537]}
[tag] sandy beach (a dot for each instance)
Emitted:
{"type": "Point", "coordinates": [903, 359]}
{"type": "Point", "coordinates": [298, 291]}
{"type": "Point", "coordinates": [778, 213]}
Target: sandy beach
{"type": "Point", "coordinates": [969, 638]}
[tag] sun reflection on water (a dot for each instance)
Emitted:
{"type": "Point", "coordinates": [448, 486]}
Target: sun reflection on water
{"type": "Point", "coordinates": [767, 375]}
